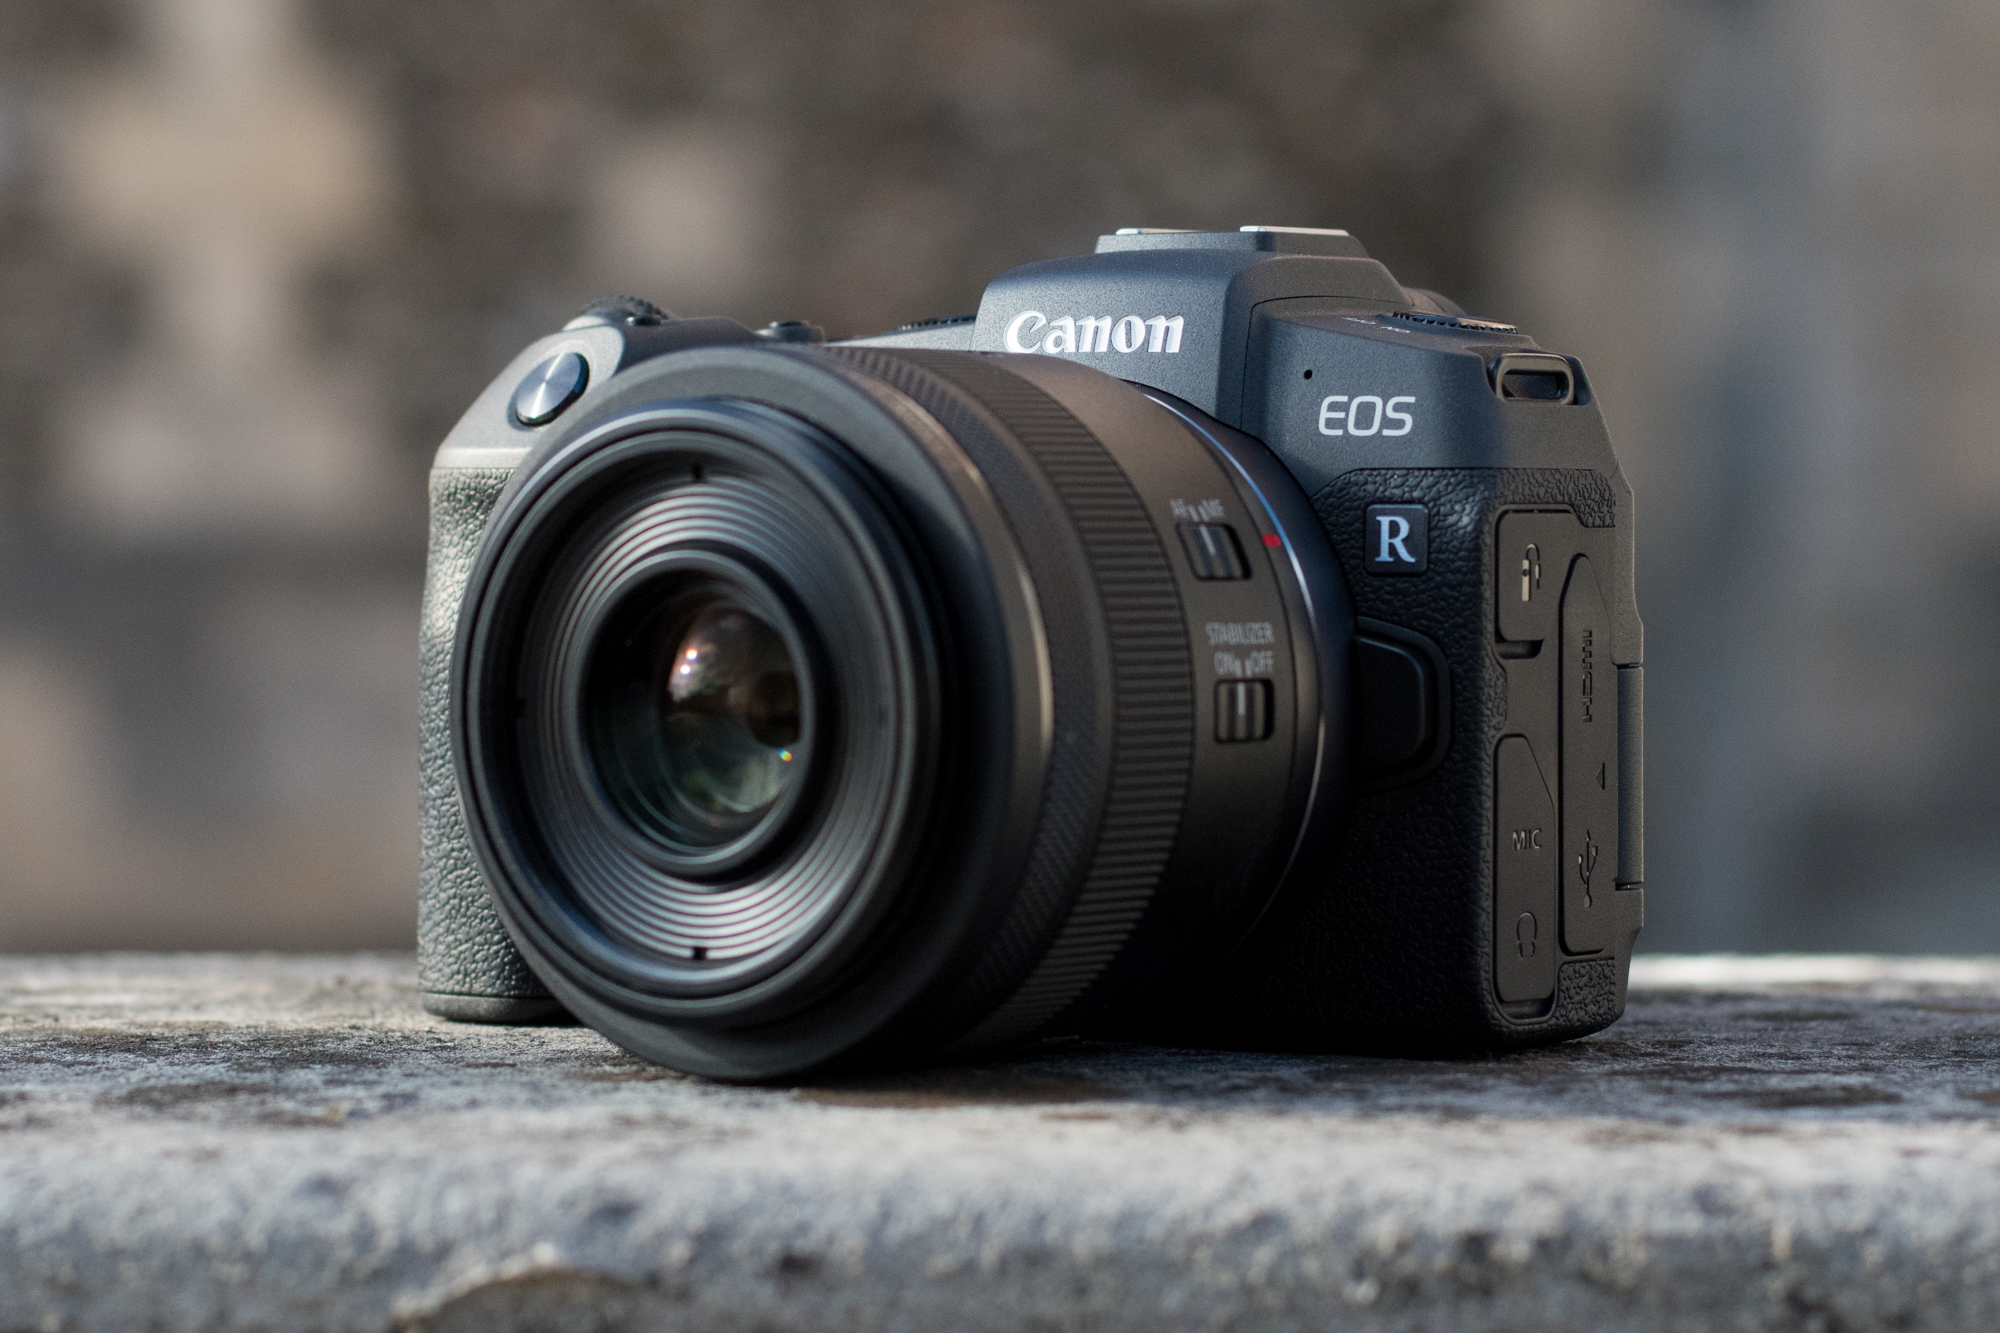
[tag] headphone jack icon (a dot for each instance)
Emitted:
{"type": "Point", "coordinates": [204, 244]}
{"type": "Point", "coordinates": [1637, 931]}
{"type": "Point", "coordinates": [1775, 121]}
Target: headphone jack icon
{"type": "Point", "coordinates": [1527, 931]}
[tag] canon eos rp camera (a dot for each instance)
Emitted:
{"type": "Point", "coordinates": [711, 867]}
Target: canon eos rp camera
{"type": "Point", "coordinates": [1211, 638]}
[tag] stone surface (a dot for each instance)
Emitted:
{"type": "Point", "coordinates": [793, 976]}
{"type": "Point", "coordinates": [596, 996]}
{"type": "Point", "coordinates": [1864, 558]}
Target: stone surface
{"type": "Point", "coordinates": [251, 1142]}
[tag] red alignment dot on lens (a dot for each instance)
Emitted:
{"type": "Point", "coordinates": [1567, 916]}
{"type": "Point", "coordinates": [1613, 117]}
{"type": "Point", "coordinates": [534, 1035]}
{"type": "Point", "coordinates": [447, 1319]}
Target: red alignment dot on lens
{"type": "Point", "coordinates": [1273, 539]}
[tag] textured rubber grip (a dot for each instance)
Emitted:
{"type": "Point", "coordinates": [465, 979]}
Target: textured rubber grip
{"type": "Point", "coordinates": [467, 968]}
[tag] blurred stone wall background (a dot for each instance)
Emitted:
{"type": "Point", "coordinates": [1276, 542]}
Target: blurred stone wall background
{"type": "Point", "coordinates": [255, 256]}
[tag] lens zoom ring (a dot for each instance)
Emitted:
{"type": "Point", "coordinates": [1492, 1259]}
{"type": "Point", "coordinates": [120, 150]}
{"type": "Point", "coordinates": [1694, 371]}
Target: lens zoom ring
{"type": "Point", "coordinates": [1153, 702]}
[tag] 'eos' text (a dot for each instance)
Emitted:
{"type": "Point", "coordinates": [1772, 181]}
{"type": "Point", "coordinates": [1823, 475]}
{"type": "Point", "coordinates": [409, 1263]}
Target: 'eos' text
{"type": "Point", "coordinates": [1366, 414]}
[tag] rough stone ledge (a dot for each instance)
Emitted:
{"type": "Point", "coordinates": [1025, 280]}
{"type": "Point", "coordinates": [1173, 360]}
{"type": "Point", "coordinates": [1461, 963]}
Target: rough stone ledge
{"type": "Point", "coordinates": [262, 1142]}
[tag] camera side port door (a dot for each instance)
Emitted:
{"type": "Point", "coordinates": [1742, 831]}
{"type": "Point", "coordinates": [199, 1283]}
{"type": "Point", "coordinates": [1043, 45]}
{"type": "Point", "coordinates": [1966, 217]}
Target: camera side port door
{"type": "Point", "coordinates": [1554, 636]}
{"type": "Point", "coordinates": [1524, 859]}
{"type": "Point", "coordinates": [1589, 727]}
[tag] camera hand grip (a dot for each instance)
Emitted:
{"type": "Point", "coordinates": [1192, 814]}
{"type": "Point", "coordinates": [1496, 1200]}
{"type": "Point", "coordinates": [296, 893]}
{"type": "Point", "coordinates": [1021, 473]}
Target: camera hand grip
{"type": "Point", "coordinates": [467, 968]}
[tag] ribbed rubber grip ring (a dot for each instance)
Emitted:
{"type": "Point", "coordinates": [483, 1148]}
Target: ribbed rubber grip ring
{"type": "Point", "coordinates": [1047, 956]}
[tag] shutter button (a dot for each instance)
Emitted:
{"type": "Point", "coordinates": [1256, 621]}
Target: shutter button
{"type": "Point", "coordinates": [549, 388]}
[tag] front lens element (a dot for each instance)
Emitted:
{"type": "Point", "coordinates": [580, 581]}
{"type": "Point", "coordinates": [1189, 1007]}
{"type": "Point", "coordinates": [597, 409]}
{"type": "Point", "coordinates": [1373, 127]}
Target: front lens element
{"type": "Point", "coordinates": [695, 714]}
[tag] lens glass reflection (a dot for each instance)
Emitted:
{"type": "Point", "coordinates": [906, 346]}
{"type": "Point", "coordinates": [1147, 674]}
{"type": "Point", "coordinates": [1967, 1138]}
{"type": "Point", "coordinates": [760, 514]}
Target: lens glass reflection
{"type": "Point", "coordinates": [695, 716]}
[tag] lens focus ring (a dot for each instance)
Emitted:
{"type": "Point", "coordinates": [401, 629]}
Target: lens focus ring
{"type": "Point", "coordinates": [1061, 935]}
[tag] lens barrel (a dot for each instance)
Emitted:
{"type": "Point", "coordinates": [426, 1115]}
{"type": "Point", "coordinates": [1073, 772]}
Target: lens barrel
{"type": "Point", "coordinates": [836, 705]}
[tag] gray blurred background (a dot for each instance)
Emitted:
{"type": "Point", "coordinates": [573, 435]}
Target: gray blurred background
{"type": "Point", "coordinates": [255, 256]}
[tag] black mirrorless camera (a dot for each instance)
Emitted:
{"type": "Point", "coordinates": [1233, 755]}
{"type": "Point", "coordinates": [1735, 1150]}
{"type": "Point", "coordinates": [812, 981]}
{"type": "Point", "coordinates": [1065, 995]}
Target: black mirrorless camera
{"type": "Point", "coordinates": [1211, 635]}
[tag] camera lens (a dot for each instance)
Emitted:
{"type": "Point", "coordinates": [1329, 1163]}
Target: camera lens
{"type": "Point", "coordinates": [694, 714]}
{"type": "Point", "coordinates": [819, 705]}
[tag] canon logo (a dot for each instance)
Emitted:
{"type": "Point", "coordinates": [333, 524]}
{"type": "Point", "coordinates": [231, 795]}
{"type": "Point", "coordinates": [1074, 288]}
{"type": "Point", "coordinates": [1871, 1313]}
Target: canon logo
{"type": "Point", "coordinates": [1032, 331]}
